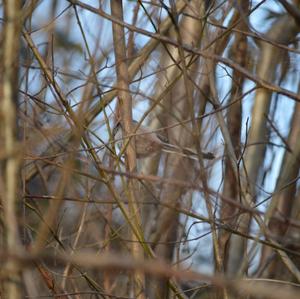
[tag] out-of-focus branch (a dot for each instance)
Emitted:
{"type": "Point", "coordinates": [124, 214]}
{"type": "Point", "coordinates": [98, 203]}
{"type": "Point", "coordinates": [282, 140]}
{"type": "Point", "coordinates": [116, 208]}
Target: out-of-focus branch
{"type": "Point", "coordinates": [258, 133]}
{"type": "Point", "coordinates": [125, 108]}
{"type": "Point", "coordinates": [234, 118]}
{"type": "Point", "coordinates": [274, 289]}
{"type": "Point", "coordinates": [10, 176]}
{"type": "Point", "coordinates": [284, 201]}
{"type": "Point", "coordinates": [292, 10]}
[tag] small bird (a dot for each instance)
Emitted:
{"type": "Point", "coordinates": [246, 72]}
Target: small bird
{"type": "Point", "coordinates": [148, 143]}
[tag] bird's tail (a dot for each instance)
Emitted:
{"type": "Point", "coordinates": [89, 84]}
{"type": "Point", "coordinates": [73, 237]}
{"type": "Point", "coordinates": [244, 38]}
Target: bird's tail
{"type": "Point", "coordinates": [186, 152]}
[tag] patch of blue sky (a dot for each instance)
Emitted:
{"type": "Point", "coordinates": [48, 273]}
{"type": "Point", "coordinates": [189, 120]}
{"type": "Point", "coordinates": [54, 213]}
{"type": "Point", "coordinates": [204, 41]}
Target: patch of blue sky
{"type": "Point", "coordinates": [258, 18]}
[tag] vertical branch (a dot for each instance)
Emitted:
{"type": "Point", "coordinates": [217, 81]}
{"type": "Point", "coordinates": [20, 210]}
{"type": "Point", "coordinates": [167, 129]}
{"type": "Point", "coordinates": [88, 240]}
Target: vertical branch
{"type": "Point", "coordinates": [125, 104]}
{"type": "Point", "coordinates": [197, 136]}
{"type": "Point", "coordinates": [10, 164]}
{"type": "Point", "coordinates": [259, 133]}
{"type": "Point", "coordinates": [234, 120]}
{"type": "Point", "coordinates": [284, 203]}
{"type": "Point", "coordinates": [124, 96]}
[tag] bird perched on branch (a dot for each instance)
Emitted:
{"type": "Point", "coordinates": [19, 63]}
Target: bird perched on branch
{"type": "Point", "coordinates": [148, 143]}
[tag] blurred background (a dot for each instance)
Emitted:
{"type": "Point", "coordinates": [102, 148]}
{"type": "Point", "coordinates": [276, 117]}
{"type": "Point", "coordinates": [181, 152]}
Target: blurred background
{"type": "Point", "coordinates": [82, 217]}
